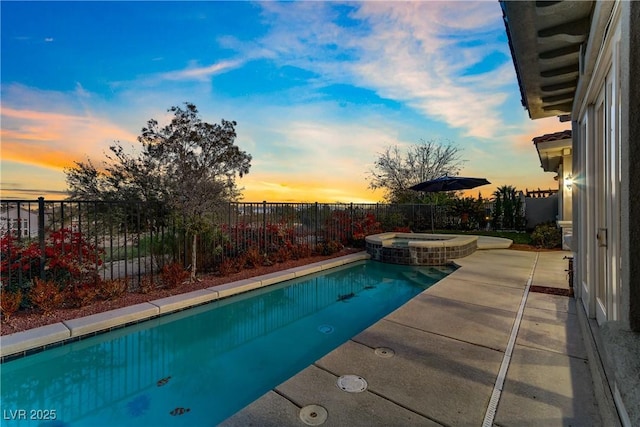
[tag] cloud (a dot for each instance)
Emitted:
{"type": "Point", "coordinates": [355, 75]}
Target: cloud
{"type": "Point", "coordinates": [306, 146]}
{"type": "Point", "coordinates": [420, 66]}
{"type": "Point", "coordinates": [406, 52]}
{"type": "Point", "coordinates": [201, 73]}
{"type": "Point", "coordinates": [428, 70]}
{"type": "Point", "coordinates": [53, 136]}
{"type": "Point", "coordinates": [311, 157]}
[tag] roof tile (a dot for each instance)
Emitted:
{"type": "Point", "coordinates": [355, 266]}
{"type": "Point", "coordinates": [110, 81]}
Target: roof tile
{"type": "Point", "coordinates": [565, 134]}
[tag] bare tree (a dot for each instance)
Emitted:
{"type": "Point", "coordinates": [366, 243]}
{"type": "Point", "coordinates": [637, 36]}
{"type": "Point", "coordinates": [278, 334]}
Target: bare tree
{"type": "Point", "coordinates": [396, 170]}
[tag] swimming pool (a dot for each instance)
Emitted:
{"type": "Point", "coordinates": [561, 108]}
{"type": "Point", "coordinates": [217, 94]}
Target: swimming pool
{"type": "Point", "coordinates": [200, 366]}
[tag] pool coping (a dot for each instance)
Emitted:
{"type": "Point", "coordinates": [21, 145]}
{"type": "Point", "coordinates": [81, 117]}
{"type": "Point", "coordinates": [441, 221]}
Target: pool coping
{"type": "Point", "coordinates": [483, 242]}
{"type": "Point", "coordinates": [38, 339]}
{"type": "Point", "coordinates": [436, 240]}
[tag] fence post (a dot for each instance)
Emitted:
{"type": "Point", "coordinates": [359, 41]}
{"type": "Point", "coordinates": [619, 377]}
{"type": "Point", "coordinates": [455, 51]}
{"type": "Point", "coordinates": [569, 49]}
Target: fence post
{"type": "Point", "coordinates": [316, 224]}
{"type": "Point", "coordinates": [264, 224]}
{"type": "Point", "coordinates": [351, 213]}
{"type": "Point", "coordinates": [413, 215]}
{"type": "Point", "coordinates": [184, 240]}
{"type": "Point", "coordinates": [61, 214]}
{"type": "Point", "coordinates": [43, 256]}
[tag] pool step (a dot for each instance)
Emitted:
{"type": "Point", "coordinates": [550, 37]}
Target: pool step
{"type": "Point", "coordinates": [413, 278]}
{"type": "Point", "coordinates": [444, 269]}
{"type": "Point", "coordinates": [422, 277]}
{"type": "Point", "coordinates": [432, 274]}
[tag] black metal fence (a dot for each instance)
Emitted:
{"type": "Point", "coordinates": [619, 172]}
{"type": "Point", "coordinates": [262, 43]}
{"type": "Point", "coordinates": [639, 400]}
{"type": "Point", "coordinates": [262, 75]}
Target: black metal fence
{"type": "Point", "coordinates": [134, 239]}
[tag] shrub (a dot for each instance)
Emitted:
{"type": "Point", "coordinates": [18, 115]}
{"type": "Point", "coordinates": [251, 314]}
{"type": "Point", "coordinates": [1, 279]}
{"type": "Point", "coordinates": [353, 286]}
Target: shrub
{"type": "Point", "coordinates": [341, 223]}
{"type": "Point", "coordinates": [363, 228]}
{"type": "Point", "coordinates": [242, 236]}
{"type": "Point", "coordinates": [112, 289]}
{"type": "Point", "coordinates": [402, 229]}
{"type": "Point", "coordinates": [253, 258]}
{"type": "Point", "coordinates": [173, 275]}
{"type": "Point", "coordinates": [80, 296]}
{"type": "Point", "coordinates": [301, 251]}
{"type": "Point", "coordinates": [10, 303]}
{"type": "Point", "coordinates": [19, 263]}
{"type": "Point", "coordinates": [283, 254]}
{"type": "Point", "coordinates": [239, 261]}
{"type": "Point", "coordinates": [351, 227]}
{"type": "Point", "coordinates": [546, 236]}
{"type": "Point", "coordinates": [329, 248]}
{"type": "Point", "coordinates": [227, 266]}
{"type": "Point", "coordinates": [45, 295]}
{"type": "Point", "coordinates": [268, 260]}
{"type": "Point", "coordinates": [70, 260]}
{"type": "Point", "coordinates": [147, 284]}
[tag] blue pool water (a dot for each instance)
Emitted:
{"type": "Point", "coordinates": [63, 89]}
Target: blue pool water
{"type": "Point", "coordinates": [200, 366]}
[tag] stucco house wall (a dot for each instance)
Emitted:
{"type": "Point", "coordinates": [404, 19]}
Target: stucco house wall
{"type": "Point", "coordinates": [540, 210]}
{"type": "Point", "coordinates": [601, 100]}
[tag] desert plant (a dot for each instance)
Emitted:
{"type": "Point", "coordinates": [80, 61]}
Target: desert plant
{"type": "Point", "coordinates": [147, 284]}
{"type": "Point", "coordinates": [240, 262]}
{"type": "Point", "coordinates": [45, 295]}
{"type": "Point", "coordinates": [80, 296]}
{"type": "Point", "coordinates": [227, 266]}
{"type": "Point", "coordinates": [253, 258]}
{"type": "Point", "coordinates": [112, 289]}
{"type": "Point", "coordinates": [173, 275]}
{"type": "Point", "coordinates": [546, 235]}
{"type": "Point", "coordinates": [301, 251]}
{"type": "Point", "coordinates": [329, 248]}
{"type": "Point", "coordinates": [10, 303]}
{"type": "Point", "coordinates": [283, 254]}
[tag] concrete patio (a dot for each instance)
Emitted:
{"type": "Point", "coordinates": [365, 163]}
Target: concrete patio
{"type": "Point", "coordinates": [475, 349]}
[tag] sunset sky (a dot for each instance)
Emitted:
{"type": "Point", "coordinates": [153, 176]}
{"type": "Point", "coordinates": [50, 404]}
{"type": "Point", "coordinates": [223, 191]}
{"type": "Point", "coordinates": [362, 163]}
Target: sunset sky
{"type": "Point", "coordinates": [318, 89]}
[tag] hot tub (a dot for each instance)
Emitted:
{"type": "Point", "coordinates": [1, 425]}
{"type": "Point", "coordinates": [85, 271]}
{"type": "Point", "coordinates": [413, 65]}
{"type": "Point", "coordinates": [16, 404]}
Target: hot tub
{"type": "Point", "coordinates": [419, 248]}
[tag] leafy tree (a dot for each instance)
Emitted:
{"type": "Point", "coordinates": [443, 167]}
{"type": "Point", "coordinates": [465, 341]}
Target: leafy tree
{"type": "Point", "coordinates": [122, 177]}
{"type": "Point", "coordinates": [469, 211]}
{"type": "Point", "coordinates": [507, 213]}
{"type": "Point", "coordinates": [397, 170]}
{"type": "Point", "coordinates": [189, 164]}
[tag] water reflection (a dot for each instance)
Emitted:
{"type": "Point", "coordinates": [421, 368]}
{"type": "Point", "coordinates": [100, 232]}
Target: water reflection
{"type": "Point", "coordinates": [208, 362]}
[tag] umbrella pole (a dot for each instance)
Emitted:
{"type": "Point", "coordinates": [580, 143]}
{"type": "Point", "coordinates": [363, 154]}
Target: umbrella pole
{"type": "Point", "coordinates": [433, 229]}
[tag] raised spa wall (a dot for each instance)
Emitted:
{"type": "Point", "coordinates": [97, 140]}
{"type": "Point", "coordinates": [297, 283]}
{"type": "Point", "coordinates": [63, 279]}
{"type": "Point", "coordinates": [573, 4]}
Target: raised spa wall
{"type": "Point", "coordinates": [421, 249]}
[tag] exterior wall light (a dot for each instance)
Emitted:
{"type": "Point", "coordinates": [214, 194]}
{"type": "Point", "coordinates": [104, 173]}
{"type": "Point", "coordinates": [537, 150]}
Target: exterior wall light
{"type": "Point", "coordinates": [568, 182]}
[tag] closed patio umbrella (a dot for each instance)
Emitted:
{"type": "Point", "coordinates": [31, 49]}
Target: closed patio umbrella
{"type": "Point", "coordinates": [448, 183]}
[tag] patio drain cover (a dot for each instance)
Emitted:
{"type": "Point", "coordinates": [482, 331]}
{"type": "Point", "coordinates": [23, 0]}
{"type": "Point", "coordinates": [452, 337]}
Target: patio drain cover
{"type": "Point", "coordinates": [313, 415]}
{"type": "Point", "coordinates": [385, 352]}
{"type": "Point", "coordinates": [352, 383]}
{"type": "Point", "coordinates": [325, 329]}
